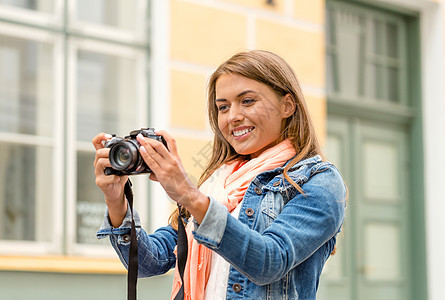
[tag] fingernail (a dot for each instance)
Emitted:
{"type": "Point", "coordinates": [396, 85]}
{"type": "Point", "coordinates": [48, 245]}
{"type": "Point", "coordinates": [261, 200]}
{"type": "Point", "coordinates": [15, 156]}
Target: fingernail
{"type": "Point", "coordinates": [108, 136]}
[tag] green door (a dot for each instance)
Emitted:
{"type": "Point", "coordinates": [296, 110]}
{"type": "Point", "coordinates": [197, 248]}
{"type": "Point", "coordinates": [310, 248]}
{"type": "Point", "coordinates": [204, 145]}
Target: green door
{"type": "Point", "coordinates": [372, 114]}
{"type": "Point", "coordinates": [382, 247]}
{"type": "Point", "coordinates": [373, 255]}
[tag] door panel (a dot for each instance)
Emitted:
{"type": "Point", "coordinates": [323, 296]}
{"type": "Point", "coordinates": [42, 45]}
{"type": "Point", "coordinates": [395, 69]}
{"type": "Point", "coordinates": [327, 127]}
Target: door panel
{"type": "Point", "coordinates": [380, 185]}
{"type": "Point", "coordinates": [381, 202]}
{"type": "Point", "coordinates": [382, 249]}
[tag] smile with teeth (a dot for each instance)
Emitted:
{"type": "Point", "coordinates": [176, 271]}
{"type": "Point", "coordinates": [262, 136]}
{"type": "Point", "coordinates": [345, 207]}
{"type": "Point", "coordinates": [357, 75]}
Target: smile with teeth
{"type": "Point", "coordinates": [242, 132]}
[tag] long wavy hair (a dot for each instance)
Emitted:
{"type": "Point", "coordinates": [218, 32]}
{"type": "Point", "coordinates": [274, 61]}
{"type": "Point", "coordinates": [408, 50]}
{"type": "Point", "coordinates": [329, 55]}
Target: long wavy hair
{"type": "Point", "coordinates": [273, 71]}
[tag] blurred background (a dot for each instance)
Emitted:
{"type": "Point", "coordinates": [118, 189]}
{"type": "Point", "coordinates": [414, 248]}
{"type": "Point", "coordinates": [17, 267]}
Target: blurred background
{"type": "Point", "coordinates": [372, 73]}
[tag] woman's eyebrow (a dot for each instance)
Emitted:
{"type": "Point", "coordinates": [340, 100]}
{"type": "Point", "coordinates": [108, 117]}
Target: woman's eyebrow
{"type": "Point", "coordinates": [237, 96]}
{"type": "Point", "coordinates": [245, 92]}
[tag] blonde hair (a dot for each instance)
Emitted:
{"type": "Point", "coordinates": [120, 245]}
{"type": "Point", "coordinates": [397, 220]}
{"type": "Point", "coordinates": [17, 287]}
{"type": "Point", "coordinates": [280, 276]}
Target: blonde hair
{"type": "Point", "coordinates": [273, 71]}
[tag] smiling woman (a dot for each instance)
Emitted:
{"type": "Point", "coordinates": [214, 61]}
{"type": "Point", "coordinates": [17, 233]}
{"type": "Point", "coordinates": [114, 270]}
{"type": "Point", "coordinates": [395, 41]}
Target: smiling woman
{"type": "Point", "coordinates": [250, 114]}
{"type": "Point", "coordinates": [267, 210]}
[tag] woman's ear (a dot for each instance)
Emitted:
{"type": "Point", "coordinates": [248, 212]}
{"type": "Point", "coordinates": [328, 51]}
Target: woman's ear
{"type": "Point", "coordinates": [289, 105]}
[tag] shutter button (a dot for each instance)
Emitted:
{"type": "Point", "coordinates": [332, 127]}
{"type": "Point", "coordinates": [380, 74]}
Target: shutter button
{"type": "Point", "coordinates": [126, 238]}
{"type": "Point", "coordinates": [249, 212]}
{"type": "Point", "coordinates": [258, 191]}
{"type": "Point", "coordinates": [236, 287]}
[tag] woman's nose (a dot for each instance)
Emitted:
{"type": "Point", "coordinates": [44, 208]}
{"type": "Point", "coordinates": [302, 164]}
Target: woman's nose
{"type": "Point", "coordinates": [235, 114]}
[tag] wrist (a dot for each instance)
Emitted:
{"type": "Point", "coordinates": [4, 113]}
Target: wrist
{"type": "Point", "coordinates": [198, 208]}
{"type": "Point", "coordinates": [117, 211]}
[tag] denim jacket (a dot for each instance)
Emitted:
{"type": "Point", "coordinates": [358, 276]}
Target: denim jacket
{"type": "Point", "coordinates": [278, 245]}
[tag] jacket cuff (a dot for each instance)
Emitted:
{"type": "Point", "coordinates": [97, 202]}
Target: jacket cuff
{"type": "Point", "coordinates": [106, 229]}
{"type": "Point", "coordinates": [212, 227]}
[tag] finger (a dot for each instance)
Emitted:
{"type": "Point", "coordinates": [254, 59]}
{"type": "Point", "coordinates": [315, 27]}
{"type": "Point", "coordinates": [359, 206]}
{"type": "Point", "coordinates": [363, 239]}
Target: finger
{"type": "Point", "coordinates": [101, 153]}
{"type": "Point", "coordinates": [98, 139]}
{"type": "Point", "coordinates": [100, 166]}
{"type": "Point", "coordinates": [103, 181]}
{"type": "Point", "coordinates": [155, 149]}
{"type": "Point", "coordinates": [161, 149]}
{"type": "Point", "coordinates": [123, 179]}
{"type": "Point", "coordinates": [147, 153]}
{"type": "Point", "coordinates": [171, 142]}
{"type": "Point", "coordinates": [152, 177]}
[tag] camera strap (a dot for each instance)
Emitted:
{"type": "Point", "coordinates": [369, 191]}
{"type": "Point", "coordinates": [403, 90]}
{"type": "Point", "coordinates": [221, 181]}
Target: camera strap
{"type": "Point", "coordinates": [182, 251]}
{"type": "Point", "coordinates": [132, 277]}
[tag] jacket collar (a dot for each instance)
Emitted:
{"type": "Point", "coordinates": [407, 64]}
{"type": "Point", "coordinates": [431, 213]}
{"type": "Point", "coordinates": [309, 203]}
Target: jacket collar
{"type": "Point", "coordinates": [308, 161]}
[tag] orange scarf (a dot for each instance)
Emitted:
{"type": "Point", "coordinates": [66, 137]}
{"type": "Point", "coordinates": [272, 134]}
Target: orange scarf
{"type": "Point", "coordinates": [240, 175]}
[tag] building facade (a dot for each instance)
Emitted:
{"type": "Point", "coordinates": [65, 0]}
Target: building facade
{"type": "Point", "coordinates": [372, 73]}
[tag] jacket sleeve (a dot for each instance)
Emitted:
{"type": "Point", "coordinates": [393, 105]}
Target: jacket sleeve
{"type": "Point", "coordinates": [155, 251]}
{"type": "Point", "coordinates": [305, 224]}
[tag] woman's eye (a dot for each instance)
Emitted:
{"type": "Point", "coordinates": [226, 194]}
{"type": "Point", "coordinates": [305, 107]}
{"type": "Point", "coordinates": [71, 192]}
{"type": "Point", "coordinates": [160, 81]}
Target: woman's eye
{"type": "Point", "coordinates": [248, 101]}
{"type": "Point", "coordinates": [223, 107]}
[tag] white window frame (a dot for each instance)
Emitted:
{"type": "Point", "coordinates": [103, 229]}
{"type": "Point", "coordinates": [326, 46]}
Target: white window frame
{"type": "Point", "coordinates": [56, 233]}
{"type": "Point", "coordinates": [139, 186]}
{"type": "Point", "coordinates": [109, 32]}
{"type": "Point", "coordinates": [34, 17]}
{"type": "Point", "coordinates": [160, 207]}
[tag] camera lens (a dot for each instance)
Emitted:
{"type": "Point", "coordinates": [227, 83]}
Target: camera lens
{"type": "Point", "coordinates": [123, 156]}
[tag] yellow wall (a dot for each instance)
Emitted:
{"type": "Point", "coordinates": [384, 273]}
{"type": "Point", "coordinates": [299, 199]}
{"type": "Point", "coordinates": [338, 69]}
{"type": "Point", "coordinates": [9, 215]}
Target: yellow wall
{"type": "Point", "coordinates": [205, 33]}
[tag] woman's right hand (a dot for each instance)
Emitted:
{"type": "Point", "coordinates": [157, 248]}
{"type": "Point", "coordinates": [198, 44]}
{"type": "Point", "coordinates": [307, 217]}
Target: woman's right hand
{"type": "Point", "coordinates": [111, 185]}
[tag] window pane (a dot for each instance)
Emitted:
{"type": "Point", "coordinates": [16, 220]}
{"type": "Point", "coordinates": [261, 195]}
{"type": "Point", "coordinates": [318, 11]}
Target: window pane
{"type": "Point", "coordinates": [90, 201]}
{"type": "Point", "coordinates": [106, 95]}
{"type": "Point", "coordinates": [25, 192]}
{"type": "Point", "coordinates": [371, 81]}
{"type": "Point", "coordinates": [376, 31]}
{"type": "Point", "coordinates": [392, 40]}
{"type": "Point", "coordinates": [107, 101]}
{"type": "Point", "coordinates": [115, 13]}
{"type": "Point", "coordinates": [393, 84]}
{"type": "Point", "coordinates": [349, 41]}
{"type": "Point", "coordinates": [37, 5]}
{"type": "Point", "coordinates": [26, 94]}
{"type": "Point", "coordinates": [374, 88]}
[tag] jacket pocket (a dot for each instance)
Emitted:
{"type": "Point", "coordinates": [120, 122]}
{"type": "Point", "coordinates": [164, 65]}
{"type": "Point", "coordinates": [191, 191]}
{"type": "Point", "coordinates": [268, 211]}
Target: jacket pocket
{"type": "Point", "coordinates": [271, 206]}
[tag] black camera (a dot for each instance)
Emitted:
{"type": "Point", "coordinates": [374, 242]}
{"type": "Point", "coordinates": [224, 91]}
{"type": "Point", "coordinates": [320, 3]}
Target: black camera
{"type": "Point", "coordinates": [124, 156]}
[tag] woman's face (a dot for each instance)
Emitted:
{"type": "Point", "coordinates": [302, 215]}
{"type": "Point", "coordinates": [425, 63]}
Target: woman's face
{"type": "Point", "coordinates": [250, 114]}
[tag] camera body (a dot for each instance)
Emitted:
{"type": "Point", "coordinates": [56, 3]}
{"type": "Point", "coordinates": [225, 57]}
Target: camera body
{"type": "Point", "coordinates": [124, 156]}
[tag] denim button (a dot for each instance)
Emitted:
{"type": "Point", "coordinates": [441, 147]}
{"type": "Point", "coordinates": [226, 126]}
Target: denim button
{"type": "Point", "coordinates": [126, 238]}
{"type": "Point", "coordinates": [249, 212]}
{"type": "Point", "coordinates": [236, 287]}
{"type": "Point", "coordinates": [276, 183]}
{"type": "Point", "coordinates": [258, 191]}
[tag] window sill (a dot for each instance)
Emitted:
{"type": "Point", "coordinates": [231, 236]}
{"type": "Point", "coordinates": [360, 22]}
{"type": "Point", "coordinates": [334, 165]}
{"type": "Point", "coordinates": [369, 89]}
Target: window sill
{"type": "Point", "coordinates": [62, 264]}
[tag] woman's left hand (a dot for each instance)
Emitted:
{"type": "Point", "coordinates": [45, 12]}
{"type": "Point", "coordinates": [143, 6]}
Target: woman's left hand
{"type": "Point", "coordinates": [168, 170]}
